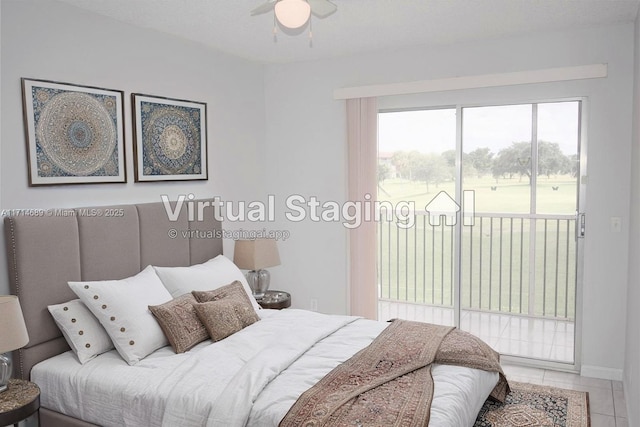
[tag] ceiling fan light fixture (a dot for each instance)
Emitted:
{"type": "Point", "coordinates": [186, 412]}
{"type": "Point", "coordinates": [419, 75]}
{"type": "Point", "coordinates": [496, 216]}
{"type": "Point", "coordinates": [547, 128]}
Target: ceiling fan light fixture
{"type": "Point", "coordinates": [292, 13]}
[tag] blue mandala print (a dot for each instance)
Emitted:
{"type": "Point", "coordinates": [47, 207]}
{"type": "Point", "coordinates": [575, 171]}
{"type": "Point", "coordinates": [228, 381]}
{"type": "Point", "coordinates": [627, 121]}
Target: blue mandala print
{"type": "Point", "coordinates": [170, 139]}
{"type": "Point", "coordinates": [76, 133]}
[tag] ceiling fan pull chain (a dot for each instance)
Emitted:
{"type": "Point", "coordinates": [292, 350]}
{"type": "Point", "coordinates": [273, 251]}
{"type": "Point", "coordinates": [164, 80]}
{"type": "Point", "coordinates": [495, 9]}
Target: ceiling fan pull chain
{"type": "Point", "coordinates": [310, 32]}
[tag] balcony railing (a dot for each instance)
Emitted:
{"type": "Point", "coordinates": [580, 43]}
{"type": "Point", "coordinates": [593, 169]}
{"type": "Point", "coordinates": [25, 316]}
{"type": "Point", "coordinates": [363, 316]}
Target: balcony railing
{"type": "Point", "coordinates": [508, 263]}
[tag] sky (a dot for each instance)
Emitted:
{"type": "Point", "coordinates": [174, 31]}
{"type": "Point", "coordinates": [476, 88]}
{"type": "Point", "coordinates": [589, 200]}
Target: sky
{"type": "Point", "coordinates": [434, 131]}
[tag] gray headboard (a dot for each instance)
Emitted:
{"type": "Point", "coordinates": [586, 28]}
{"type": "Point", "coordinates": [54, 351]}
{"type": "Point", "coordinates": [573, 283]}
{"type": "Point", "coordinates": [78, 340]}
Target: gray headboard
{"type": "Point", "coordinates": [102, 243]}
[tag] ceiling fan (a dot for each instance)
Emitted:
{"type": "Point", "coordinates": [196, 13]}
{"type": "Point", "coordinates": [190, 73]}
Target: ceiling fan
{"type": "Point", "coordinates": [295, 13]}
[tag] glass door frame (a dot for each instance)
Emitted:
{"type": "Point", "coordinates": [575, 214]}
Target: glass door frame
{"type": "Point", "coordinates": [580, 203]}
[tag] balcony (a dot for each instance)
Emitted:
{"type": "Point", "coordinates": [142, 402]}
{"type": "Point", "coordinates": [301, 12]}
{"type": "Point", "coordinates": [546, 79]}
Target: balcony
{"type": "Point", "coordinates": [517, 275]}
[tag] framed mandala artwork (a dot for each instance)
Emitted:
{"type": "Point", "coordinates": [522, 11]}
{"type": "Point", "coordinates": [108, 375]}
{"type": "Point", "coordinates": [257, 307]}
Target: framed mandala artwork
{"type": "Point", "coordinates": [170, 139]}
{"type": "Point", "coordinates": [75, 134]}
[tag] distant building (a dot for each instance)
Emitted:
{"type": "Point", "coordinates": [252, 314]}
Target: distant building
{"type": "Point", "coordinates": [385, 158]}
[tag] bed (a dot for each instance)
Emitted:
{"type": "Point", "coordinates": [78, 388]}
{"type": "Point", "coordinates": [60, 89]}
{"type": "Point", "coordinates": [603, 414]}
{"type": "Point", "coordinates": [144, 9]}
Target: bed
{"type": "Point", "coordinates": [252, 377]}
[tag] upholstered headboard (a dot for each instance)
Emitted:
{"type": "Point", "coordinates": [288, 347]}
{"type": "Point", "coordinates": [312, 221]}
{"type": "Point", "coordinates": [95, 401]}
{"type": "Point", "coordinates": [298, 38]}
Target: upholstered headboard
{"type": "Point", "coordinates": [52, 247]}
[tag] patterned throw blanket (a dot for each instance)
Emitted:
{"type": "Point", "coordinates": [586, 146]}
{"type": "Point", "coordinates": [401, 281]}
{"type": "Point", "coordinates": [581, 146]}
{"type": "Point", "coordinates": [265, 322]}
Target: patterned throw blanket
{"type": "Point", "coordinates": [389, 382]}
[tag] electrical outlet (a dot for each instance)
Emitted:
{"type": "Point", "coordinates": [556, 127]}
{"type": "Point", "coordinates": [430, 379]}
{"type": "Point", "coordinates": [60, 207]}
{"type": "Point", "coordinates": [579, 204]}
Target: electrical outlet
{"type": "Point", "coordinates": [313, 304]}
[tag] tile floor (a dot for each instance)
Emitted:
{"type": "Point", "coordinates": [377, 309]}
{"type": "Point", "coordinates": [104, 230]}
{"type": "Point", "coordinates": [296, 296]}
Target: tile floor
{"type": "Point", "coordinates": [606, 398]}
{"type": "Point", "coordinates": [520, 336]}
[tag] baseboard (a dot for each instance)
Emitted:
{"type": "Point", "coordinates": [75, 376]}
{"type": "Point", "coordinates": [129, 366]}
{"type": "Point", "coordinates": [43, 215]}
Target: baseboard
{"type": "Point", "coordinates": [602, 373]}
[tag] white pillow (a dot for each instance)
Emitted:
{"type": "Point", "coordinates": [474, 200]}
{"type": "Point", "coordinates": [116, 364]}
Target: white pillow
{"type": "Point", "coordinates": [81, 329]}
{"type": "Point", "coordinates": [216, 272]}
{"type": "Point", "coordinates": [122, 307]}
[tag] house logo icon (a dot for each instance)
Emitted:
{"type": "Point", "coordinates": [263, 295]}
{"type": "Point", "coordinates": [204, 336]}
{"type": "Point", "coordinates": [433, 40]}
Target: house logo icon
{"type": "Point", "coordinates": [443, 205]}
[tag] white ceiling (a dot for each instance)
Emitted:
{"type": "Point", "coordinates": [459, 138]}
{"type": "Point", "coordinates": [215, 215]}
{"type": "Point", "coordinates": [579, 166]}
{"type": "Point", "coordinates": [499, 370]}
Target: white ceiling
{"type": "Point", "coordinates": [359, 25]}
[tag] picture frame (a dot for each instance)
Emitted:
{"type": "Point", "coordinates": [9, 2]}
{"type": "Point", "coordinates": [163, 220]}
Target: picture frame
{"type": "Point", "coordinates": [74, 133]}
{"type": "Point", "coordinates": [170, 139]}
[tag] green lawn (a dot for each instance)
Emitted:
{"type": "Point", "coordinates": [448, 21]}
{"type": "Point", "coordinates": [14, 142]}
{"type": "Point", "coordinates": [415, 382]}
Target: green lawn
{"type": "Point", "coordinates": [416, 264]}
{"type": "Point", "coordinates": [504, 195]}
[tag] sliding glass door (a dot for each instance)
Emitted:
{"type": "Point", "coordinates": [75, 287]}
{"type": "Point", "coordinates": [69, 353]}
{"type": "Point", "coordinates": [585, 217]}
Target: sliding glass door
{"type": "Point", "coordinates": [493, 248]}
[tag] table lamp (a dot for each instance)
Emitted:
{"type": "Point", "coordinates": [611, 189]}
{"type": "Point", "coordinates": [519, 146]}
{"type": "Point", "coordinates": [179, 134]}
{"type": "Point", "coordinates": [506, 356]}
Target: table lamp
{"type": "Point", "coordinates": [255, 256]}
{"type": "Point", "coordinates": [13, 335]}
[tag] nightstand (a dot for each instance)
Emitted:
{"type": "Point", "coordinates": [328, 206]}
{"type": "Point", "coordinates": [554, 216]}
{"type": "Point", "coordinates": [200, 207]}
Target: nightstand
{"type": "Point", "coordinates": [276, 300]}
{"type": "Point", "coordinates": [18, 402]}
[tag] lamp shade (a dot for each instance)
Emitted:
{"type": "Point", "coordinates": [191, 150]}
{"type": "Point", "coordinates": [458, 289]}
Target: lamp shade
{"type": "Point", "coordinates": [256, 254]}
{"type": "Point", "coordinates": [292, 13]}
{"type": "Point", "coordinates": [13, 331]}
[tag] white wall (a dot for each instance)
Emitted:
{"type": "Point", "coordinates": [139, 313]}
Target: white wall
{"type": "Point", "coordinates": [54, 41]}
{"type": "Point", "coordinates": [306, 140]}
{"type": "Point", "coordinates": [632, 364]}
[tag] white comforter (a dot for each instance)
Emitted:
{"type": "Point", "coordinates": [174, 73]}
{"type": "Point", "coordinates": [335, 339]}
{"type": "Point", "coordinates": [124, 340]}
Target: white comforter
{"type": "Point", "coordinates": [251, 378]}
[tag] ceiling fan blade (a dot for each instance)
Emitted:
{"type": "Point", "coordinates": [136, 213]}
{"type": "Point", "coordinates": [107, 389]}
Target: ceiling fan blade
{"type": "Point", "coordinates": [264, 8]}
{"type": "Point", "coordinates": [322, 8]}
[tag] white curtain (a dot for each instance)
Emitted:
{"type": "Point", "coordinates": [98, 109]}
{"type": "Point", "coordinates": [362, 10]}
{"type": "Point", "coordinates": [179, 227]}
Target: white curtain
{"type": "Point", "coordinates": [362, 140]}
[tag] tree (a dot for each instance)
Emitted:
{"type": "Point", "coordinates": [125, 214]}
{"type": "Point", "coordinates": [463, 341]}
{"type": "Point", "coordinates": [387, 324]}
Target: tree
{"type": "Point", "coordinates": [551, 160]}
{"type": "Point", "coordinates": [383, 172]}
{"type": "Point", "coordinates": [516, 160]}
{"type": "Point", "coordinates": [572, 166]}
{"type": "Point", "coordinates": [513, 160]}
{"type": "Point", "coordinates": [431, 168]}
{"type": "Point", "coordinates": [450, 156]}
{"type": "Point", "coordinates": [481, 159]}
{"type": "Point", "coordinates": [469, 163]}
{"type": "Point", "coordinates": [469, 171]}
